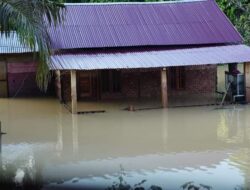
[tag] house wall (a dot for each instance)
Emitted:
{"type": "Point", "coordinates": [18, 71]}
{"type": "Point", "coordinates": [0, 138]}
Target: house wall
{"type": "Point", "coordinates": [21, 76]}
{"type": "Point", "coordinates": [137, 83]}
{"type": "Point", "coordinates": [247, 81]}
{"type": "Point", "coordinates": [130, 83]}
{"type": "Point", "coordinates": [3, 78]}
{"type": "Point", "coordinates": [150, 84]}
{"type": "Point", "coordinates": [201, 79]}
{"type": "Point", "coordinates": [141, 83]}
{"type": "Point", "coordinates": [65, 85]}
{"type": "Point", "coordinates": [198, 80]}
{"type": "Point", "coordinates": [146, 83]}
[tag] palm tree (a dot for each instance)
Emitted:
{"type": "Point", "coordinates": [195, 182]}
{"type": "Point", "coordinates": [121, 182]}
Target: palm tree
{"type": "Point", "coordinates": [30, 19]}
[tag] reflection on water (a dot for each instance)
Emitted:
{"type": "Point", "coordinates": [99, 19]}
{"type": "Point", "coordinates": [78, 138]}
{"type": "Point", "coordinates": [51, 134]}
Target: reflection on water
{"type": "Point", "coordinates": [166, 148]}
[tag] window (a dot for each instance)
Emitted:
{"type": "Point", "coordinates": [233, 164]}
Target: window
{"type": "Point", "coordinates": [111, 81]}
{"type": "Point", "coordinates": [177, 78]}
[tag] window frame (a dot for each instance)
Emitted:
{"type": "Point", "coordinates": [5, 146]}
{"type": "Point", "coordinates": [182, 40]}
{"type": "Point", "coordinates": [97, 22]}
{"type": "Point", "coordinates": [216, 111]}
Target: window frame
{"type": "Point", "coordinates": [177, 78]}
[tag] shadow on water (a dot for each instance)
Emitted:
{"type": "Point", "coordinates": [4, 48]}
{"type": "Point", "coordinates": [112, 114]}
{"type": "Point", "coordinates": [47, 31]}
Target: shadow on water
{"type": "Point", "coordinates": [121, 184]}
{"type": "Point", "coordinates": [14, 177]}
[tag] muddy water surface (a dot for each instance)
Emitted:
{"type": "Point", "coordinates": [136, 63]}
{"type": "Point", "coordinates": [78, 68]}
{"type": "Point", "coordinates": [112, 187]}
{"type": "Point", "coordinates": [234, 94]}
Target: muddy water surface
{"type": "Point", "coordinates": [166, 148]}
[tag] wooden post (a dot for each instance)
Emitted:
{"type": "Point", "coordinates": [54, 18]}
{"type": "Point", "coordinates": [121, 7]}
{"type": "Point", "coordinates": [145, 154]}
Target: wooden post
{"type": "Point", "coordinates": [75, 134]}
{"type": "Point", "coordinates": [1, 163]}
{"type": "Point", "coordinates": [58, 85]}
{"type": "Point", "coordinates": [59, 144]}
{"type": "Point", "coordinates": [73, 92]}
{"type": "Point", "coordinates": [0, 143]}
{"type": "Point", "coordinates": [1, 133]}
{"type": "Point", "coordinates": [247, 81]}
{"type": "Point", "coordinates": [164, 88]}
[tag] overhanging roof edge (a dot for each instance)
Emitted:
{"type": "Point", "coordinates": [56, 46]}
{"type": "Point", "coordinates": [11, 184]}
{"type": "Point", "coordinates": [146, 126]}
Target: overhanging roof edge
{"type": "Point", "coordinates": [152, 59]}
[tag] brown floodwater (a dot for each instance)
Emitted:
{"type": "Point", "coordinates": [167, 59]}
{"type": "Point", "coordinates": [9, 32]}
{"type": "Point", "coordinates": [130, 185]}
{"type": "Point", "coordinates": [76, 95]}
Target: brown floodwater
{"type": "Point", "coordinates": [165, 147]}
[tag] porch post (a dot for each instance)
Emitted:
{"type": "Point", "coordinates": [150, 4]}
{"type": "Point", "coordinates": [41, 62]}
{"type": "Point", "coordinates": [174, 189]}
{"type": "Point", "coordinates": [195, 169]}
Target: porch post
{"type": "Point", "coordinates": [58, 85]}
{"type": "Point", "coordinates": [247, 81]}
{"type": "Point", "coordinates": [75, 134]}
{"type": "Point", "coordinates": [164, 88]}
{"type": "Point", "coordinates": [73, 92]}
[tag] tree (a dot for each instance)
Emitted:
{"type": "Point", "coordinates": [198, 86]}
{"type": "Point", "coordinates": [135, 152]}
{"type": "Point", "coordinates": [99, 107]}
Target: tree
{"type": "Point", "coordinates": [30, 20]}
{"type": "Point", "coordinates": [238, 12]}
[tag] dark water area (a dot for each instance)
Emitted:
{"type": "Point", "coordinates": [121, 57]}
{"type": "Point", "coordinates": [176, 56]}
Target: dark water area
{"type": "Point", "coordinates": [48, 148]}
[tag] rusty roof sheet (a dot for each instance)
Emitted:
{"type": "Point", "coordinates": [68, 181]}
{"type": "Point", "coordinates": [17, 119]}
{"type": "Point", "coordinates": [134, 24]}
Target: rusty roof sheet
{"type": "Point", "coordinates": [95, 25]}
{"type": "Point", "coordinates": [152, 59]}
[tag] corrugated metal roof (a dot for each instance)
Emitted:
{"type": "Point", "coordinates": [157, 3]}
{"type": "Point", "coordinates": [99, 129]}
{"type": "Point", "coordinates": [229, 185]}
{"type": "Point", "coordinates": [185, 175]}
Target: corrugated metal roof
{"type": "Point", "coordinates": [12, 44]}
{"type": "Point", "coordinates": [131, 2]}
{"type": "Point", "coordinates": [152, 59]}
{"type": "Point", "coordinates": [141, 24]}
{"type": "Point", "coordinates": [98, 25]}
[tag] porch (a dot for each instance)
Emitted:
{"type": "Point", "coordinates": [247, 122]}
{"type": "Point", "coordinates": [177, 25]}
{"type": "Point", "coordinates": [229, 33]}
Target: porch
{"type": "Point", "coordinates": [85, 107]}
{"type": "Point", "coordinates": [144, 80]}
{"type": "Point", "coordinates": [138, 89]}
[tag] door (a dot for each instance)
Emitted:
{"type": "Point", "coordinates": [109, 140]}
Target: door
{"type": "Point", "coordinates": [87, 85]}
{"type": "Point", "coordinates": [177, 78]}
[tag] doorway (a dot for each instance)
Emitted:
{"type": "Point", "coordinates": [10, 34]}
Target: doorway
{"type": "Point", "coordinates": [87, 85]}
{"type": "Point", "coordinates": [177, 78]}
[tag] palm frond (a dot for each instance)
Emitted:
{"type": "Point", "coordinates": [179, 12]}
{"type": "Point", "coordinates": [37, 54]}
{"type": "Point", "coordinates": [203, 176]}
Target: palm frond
{"type": "Point", "coordinates": [30, 19]}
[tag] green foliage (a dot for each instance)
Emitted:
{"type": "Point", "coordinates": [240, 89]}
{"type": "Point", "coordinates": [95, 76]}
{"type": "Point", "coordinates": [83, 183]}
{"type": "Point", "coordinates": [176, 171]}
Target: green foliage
{"type": "Point", "coordinates": [27, 19]}
{"type": "Point", "coordinates": [238, 11]}
{"type": "Point", "coordinates": [123, 185]}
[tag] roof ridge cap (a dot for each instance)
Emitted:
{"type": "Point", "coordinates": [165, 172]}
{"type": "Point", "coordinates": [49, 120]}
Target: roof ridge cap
{"type": "Point", "coordinates": [136, 3]}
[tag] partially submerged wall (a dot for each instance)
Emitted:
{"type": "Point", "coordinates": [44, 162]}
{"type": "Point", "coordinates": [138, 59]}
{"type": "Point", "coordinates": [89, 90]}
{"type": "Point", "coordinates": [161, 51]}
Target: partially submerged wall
{"type": "Point", "coordinates": [200, 87]}
{"type": "Point", "coordinates": [145, 83]}
{"type": "Point", "coordinates": [3, 78]}
{"type": "Point", "coordinates": [65, 85]}
{"type": "Point", "coordinates": [21, 76]}
{"type": "Point", "coordinates": [201, 79]}
{"type": "Point", "coordinates": [247, 81]}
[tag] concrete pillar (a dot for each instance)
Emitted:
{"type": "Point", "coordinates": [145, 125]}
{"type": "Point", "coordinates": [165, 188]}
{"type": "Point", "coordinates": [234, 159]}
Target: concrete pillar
{"type": "Point", "coordinates": [164, 88]}
{"type": "Point", "coordinates": [58, 85]}
{"type": "Point", "coordinates": [247, 81]}
{"type": "Point", "coordinates": [73, 92]}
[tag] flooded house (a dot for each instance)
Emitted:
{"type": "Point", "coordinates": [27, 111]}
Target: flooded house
{"type": "Point", "coordinates": [164, 51]}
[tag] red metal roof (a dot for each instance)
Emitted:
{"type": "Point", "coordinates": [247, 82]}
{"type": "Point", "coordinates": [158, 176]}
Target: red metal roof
{"type": "Point", "coordinates": [152, 59]}
{"type": "Point", "coordinates": [144, 24]}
